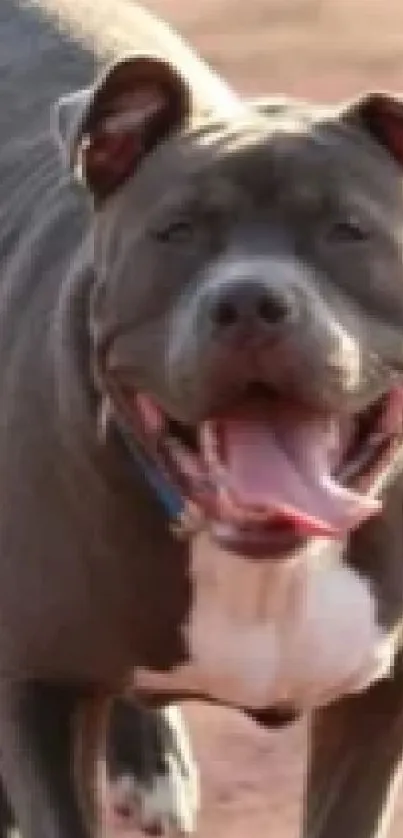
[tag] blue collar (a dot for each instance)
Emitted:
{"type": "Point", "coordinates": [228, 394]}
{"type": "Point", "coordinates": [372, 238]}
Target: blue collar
{"type": "Point", "coordinates": [168, 495]}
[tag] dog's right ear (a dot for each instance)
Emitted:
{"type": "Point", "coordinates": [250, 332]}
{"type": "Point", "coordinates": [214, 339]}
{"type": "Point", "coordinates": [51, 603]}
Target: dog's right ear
{"type": "Point", "coordinates": [379, 114]}
{"type": "Point", "coordinates": [105, 131]}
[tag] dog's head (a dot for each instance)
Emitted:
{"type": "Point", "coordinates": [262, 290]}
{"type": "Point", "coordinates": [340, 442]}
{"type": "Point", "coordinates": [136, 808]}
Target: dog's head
{"type": "Point", "coordinates": [248, 308]}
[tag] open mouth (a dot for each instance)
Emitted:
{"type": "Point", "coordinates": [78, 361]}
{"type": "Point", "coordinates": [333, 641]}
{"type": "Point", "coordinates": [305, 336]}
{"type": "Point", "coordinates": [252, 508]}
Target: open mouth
{"type": "Point", "coordinates": [268, 474]}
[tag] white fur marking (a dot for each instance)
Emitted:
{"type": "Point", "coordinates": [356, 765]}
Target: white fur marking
{"type": "Point", "coordinates": [265, 633]}
{"type": "Point", "coordinates": [169, 801]}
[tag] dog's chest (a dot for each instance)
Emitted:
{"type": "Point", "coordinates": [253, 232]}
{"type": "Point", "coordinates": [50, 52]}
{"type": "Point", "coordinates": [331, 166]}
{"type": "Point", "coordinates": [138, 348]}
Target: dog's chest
{"type": "Point", "coordinates": [263, 634]}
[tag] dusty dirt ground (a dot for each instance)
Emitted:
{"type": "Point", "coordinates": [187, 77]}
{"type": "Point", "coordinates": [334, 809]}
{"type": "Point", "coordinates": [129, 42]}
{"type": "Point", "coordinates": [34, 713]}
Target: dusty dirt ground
{"type": "Point", "coordinates": [317, 48]}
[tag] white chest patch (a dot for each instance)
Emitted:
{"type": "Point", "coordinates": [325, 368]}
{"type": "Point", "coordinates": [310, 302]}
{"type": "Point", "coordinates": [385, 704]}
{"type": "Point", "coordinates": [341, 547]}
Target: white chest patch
{"type": "Point", "coordinates": [264, 634]}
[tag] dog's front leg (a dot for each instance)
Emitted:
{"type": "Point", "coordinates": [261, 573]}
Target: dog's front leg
{"type": "Point", "coordinates": [37, 730]}
{"type": "Point", "coordinates": [356, 748]}
{"type": "Point", "coordinates": [151, 778]}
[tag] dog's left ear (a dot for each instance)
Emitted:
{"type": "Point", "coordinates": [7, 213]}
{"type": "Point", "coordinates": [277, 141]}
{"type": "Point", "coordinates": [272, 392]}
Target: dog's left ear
{"type": "Point", "coordinates": [105, 131]}
{"type": "Point", "coordinates": [381, 114]}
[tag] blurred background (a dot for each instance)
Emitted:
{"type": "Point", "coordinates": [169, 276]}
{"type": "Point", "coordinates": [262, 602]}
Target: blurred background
{"type": "Point", "coordinates": [323, 48]}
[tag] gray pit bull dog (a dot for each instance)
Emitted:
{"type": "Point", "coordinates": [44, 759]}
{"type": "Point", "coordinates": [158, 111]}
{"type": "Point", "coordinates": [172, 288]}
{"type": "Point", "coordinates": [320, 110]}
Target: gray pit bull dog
{"type": "Point", "coordinates": [208, 312]}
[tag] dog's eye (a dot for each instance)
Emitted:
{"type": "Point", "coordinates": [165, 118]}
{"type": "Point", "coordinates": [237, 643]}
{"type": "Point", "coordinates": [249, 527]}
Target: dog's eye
{"type": "Point", "coordinates": [347, 230]}
{"type": "Point", "coordinates": [176, 232]}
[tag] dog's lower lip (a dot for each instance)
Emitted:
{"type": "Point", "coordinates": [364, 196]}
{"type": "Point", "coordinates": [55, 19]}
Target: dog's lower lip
{"type": "Point", "coordinates": [259, 542]}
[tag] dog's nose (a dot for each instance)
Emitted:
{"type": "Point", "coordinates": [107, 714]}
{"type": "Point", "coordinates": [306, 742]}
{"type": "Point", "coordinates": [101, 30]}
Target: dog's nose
{"type": "Point", "coordinates": [250, 303]}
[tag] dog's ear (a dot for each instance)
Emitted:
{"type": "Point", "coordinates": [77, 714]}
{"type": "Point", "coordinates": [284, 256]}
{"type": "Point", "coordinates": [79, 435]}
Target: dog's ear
{"type": "Point", "coordinates": [381, 114]}
{"type": "Point", "coordinates": [106, 130]}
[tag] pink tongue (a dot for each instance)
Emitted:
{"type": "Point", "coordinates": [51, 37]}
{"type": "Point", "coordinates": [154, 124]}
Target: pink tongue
{"type": "Point", "coordinates": [278, 459]}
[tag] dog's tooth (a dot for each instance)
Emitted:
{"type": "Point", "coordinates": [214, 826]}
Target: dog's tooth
{"type": "Point", "coordinates": [209, 443]}
{"type": "Point", "coordinates": [151, 414]}
{"type": "Point", "coordinates": [185, 460]}
{"type": "Point", "coordinates": [373, 443]}
{"type": "Point", "coordinates": [392, 416]}
{"type": "Point", "coordinates": [377, 438]}
{"type": "Point", "coordinates": [227, 505]}
{"type": "Point", "coordinates": [104, 418]}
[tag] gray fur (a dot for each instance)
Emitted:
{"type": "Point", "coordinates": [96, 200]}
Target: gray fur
{"type": "Point", "coordinates": [92, 583]}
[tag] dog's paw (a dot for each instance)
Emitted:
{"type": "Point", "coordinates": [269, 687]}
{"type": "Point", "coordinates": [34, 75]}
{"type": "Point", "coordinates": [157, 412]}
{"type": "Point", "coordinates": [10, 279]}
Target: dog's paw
{"type": "Point", "coordinates": [151, 780]}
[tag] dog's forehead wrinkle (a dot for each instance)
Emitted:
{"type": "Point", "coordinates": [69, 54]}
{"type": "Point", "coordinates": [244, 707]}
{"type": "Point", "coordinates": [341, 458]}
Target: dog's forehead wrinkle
{"type": "Point", "coordinates": [256, 159]}
{"type": "Point", "coordinates": [361, 160]}
{"type": "Point", "coordinates": [230, 148]}
{"type": "Point", "coordinates": [336, 157]}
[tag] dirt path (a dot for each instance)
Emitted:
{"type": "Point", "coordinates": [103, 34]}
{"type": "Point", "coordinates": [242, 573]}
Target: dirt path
{"type": "Point", "coordinates": [252, 779]}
